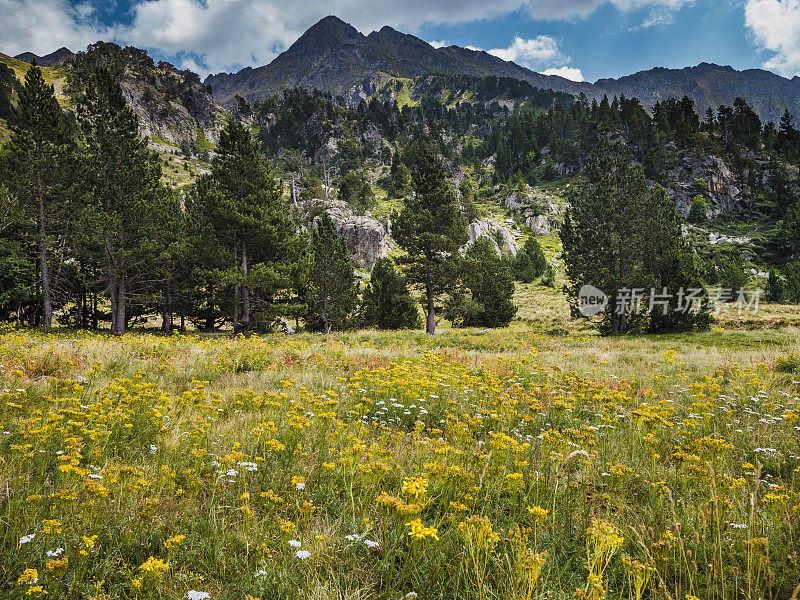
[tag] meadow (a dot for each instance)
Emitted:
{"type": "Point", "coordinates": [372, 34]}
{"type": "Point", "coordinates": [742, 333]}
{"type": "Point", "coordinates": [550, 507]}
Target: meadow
{"type": "Point", "coordinates": [471, 464]}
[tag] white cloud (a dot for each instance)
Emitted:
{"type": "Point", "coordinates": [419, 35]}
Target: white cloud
{"type": "Point", "coordinates": [439, 43]}
{"type": "Point", "coordinates": [41, 26]}
{"type": "Point", "coordinates": [775, 25]}
{"type": "Point", "coordinates": [571, 73]}
{"type": "Point", "coordinates": [534, 52]}
{"type": "Point", "coordinates": [539, 53]}
{"type": "Point", "coordinates": [557, 10]}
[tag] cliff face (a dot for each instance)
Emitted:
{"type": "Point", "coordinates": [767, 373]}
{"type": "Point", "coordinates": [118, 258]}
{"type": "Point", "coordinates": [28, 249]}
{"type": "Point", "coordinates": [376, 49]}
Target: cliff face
{"type": "Point", "coordinates": [174, 108]}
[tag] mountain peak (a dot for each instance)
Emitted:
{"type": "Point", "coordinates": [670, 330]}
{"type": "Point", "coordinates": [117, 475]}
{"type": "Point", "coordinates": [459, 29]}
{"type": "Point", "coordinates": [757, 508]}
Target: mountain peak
{"type": "Point", "coordinates": [59, 57]}
{"type": "Point", "coordinates": [326, 35]}
{"type": "Point", "coordinates": [331, 25]}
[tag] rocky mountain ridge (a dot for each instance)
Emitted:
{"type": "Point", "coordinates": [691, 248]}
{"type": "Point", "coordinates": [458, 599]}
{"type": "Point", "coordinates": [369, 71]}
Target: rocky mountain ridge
{"type": "Point", "coordinates": [333, 56]}
{"type": "Point", "coordinates": [54, 59]}
{"type": "Point", "coordinates": [174, 108]}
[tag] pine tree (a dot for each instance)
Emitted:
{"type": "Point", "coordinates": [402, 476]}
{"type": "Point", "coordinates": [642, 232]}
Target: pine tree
{"type": "Point", "coordinates": [387, 301]}
{"type": "Point", "coordinates": [530, 262]}
{"type": "Point", "coordinates": [788, 135]}
{"type": "Point", "coordinates": [431, 230]}
{"type": "Point", "coordinates": [126, 206]}
{"type": "Point", "coordinates": [241, 203]}
{"type": "Point", "coordinates": [333, 289]}
{"type": "Point", "coordinates": [33, 167]}
{"type": "Point", "coordinates": [491, 283]}
{"type": "Point", "coordinates": [671, 268]}
{"type": "Point", "coordinates": [356, 191]}
{"type": "Point", "coordinates": [400, 178]}
{"type": "Point", "coordinates": [619, 235]}
{"type": "Point", "coordinates": [788, 238]}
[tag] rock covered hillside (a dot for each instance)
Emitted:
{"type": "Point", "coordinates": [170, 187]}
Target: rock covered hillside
{"type": "Point", "coordinates": [174, 108]}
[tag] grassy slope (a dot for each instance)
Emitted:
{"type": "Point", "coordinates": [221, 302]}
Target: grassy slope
{"type": "Point", "coordinates": [56, 76]}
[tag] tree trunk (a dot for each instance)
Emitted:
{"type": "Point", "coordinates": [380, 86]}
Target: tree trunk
{"type": "Point", "coordinates": [80, 299]}
{"type": "Point", "coordinates": [245, 289]}
{"type": "Point", "coordinates": [47, 301]}
{"type": "Point", "coordinates": [112, 287]}
{"type": "Point", "coordinates": [85, 311]}
{"type": "Point", "coordinates": [121, 317]}
{"type": "Point", "coordinates": [236, 286]}
{"type": "Point", "coordinates": [166, 319]}
{"type": "Point", "coordinates": [94, 311]}
{"type": "Point", "coordinates": [210, 313]}
{"type": "Point", "coordinates": [430, 322]}
{"type": "Point", "coordinates": [323, 318]}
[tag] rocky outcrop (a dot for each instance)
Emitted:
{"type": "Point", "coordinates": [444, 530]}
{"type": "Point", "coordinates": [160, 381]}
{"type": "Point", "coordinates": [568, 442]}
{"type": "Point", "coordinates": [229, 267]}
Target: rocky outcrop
{"type": "Point", "coordinates": [501, 237]}
{"type": "Point", "coordinates": [534, 207]}
{"type": "Point", "coordinates": [722, 189]}
{"type": "Point", "coordinates": [173, 106]}
{"type": "Point", "coordinates": [367, 239]}
{"type": "Point", "coordinates": [539, 225]}
{"type": "Point", "coordinates": [720, 238]}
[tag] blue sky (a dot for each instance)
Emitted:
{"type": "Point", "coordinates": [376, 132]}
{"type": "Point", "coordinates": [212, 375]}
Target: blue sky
{"type": "Point", "coordinates": [586, 39]}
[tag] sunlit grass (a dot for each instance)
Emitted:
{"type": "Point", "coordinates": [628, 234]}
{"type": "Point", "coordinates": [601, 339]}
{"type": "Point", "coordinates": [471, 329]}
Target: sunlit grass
{"type": "Point", "coordinates": [471, 464]}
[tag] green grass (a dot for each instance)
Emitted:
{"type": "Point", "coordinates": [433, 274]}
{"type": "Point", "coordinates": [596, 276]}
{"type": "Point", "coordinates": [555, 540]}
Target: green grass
{"type": "Point", "coordinates": [203, 145]}
{"type": "Point", "coordinates": [55, 76]}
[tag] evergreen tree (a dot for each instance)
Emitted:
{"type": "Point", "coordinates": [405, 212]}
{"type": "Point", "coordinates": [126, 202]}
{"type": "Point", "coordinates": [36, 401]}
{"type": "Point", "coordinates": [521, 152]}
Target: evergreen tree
{"type": "Point", "coordinates": [356, 191]}
{"type": "Point", "coordinates": [618, 236]}
{"type": "Point", "coordinates": [400, 178]}
{"type": "Point", "coordinates": [333, 289]}
{"type": "Point", "coordinates": [776, 287]}
{"type": "Point", "coordinates": [530, 262]}
{"type": "Point", "coordinates": [431, 230]}
{"type": "Point", "coordinates": [788, 136]}
{"type": "Point", "coordinates": [671, 268]}
{"type": "Point", "coordinates": [242, 204]}
{"type": "Point", "coordinates": [17, 276]}
{"type": "Point", "coordinates": [126, 208]}
{"type": "Point", "coordinates": [491, 283]}
{"type": "Point", "coordinates": [387, 301]}
{"type": "Point", "coordinates": [34, 169]}
{"type": "Point", "coordinates": [311, 186]}
{"type": "Point", "coordinates": [787, 240]}
{"type": "Point", "coordinates": [698, 213]}
{"type": "Point", "coordinates": [792, 273]}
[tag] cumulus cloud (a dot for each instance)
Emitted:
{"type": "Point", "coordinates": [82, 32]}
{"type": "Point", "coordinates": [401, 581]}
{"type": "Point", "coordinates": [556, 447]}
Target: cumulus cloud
{"type": "Point", "coordinates": [41, 26]}
{"type": "Point", "coordinates": [534, 52]}
{"type": "Point", "coordinates": [571, 73]}
{"type": "Point", "coordinates": [775, 25]}
{"type": "Point", "coordinates": [541, 53]}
